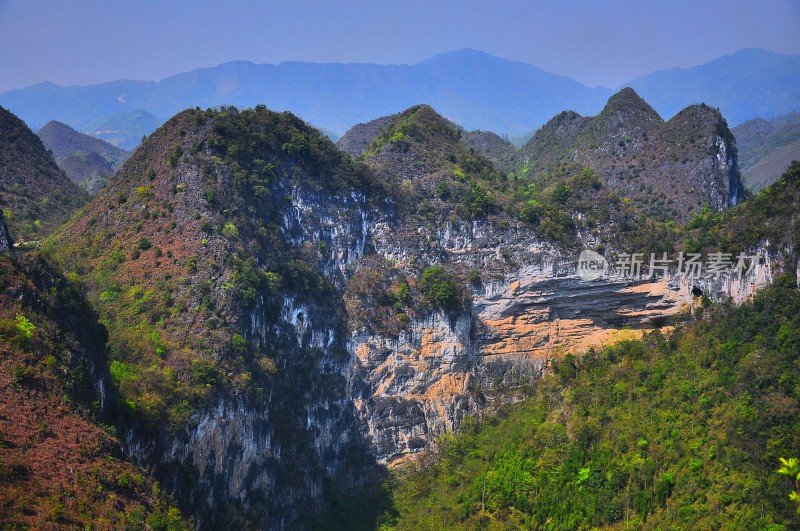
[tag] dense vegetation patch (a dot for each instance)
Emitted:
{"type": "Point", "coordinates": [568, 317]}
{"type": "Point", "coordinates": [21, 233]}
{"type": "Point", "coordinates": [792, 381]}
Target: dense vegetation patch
{"type": "Point", "coordinates": [383, 298]}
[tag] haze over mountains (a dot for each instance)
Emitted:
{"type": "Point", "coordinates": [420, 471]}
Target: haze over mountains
{"type": "Point", "coordinates": [472, 88]}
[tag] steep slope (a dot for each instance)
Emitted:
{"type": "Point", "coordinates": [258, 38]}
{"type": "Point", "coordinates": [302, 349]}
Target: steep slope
{"type": "Point", "coordinates": [285, 322]}
{"type": "Point", "coordinates": [766, 148]}
{"type": "Point", "coordinates": [36, 197]}
{"type": "Point", "coordinates": [666, 169]}
{"type": "Point", "coordinates": [748, 84]}
{"type": "Point", "coordinates": [58, 467]}
{"type": "Point", "coordinates": [215, 257]}
{"type": "Point", "coordinates": [88, 161]}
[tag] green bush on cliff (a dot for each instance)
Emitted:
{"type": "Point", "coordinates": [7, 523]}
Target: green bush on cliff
{"type": "Point", "coordinates": [440, 289]}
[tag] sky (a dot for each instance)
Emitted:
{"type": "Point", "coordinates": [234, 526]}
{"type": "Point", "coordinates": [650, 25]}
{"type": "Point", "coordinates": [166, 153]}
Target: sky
{"type": "Point", "coordinates": [596, 42]}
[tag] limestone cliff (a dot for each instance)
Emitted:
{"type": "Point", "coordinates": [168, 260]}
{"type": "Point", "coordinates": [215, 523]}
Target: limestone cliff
{"type": "Point", "coordinates": [240, 259]}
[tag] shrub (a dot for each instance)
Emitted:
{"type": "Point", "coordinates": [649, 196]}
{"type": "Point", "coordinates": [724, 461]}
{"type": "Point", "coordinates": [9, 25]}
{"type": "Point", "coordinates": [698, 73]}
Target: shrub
{"type": "Point", "coordinates": [229, 230]}
{"type": "Point", "coordinates": [439, 289]}
{"type": "Point", "coordinates": [239, 343]}
{"type": "Point", "coordinates": [24, 326]}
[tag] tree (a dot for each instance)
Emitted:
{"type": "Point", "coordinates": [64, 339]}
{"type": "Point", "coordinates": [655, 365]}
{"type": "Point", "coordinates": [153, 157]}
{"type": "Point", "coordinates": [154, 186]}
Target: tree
{"type": "Point", "coordinates": [791, 467]}
{"type": "Point", "coordinates": [438, 288]}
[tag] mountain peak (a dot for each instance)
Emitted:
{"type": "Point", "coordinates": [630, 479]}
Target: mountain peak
{"type": "Point", "coordinates": [417, 125]}
{"type": "Point", "coordinates": [87, 160]}
{"type": "Point", "coordinates": [627, 98]}
{"type": "Point", "coordinates": [55, 125]}
{"type": "Point", "coordinates": [627, 111]}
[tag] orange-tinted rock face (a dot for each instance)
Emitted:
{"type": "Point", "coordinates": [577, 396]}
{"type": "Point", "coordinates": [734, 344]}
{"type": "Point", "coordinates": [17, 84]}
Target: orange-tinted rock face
{"type": "Point", "coordinates": [422, 383]}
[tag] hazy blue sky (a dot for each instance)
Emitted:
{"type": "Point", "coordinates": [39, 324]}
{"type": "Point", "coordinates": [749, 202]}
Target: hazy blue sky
{"type": "Point", "coordinates": [604, 42]}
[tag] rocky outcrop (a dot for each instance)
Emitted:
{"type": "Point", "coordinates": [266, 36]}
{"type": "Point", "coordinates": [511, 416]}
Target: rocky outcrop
{"type": "Point", "coordinates": [6, 243]}
{"type": "Point", "coordinates": [667, 169]}
{"type": "Point", "coordinates": [532, 307]}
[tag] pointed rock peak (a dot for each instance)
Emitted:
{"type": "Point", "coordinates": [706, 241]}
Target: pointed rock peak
{"type": "Point", "coordinates": [701, 118]}
{"type": "Point", "coordinates": [564, 119]}
{"type": "Point", "coordinates": [358, 137]}
{"type": "Point", "coordinates": [417, 124]}
{"type": "Point", "coordinates": [54, 125]}
{"type": "Point", "coordinates": [563, 128]}
{"type": "Point", "coordinates": [426, 113]}
{"type": "Point", "coordinates": [700, 109]}
{"type": "Point", "coordinates": [422, 123]}
{"type": "Point", "coordinates": [627, 100]}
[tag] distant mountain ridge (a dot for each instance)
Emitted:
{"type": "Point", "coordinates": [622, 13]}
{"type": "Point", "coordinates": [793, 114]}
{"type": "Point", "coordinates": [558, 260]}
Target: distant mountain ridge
{"type": "Point", "coordinates": [507, 96]}
{"type": "Point", "coordinates": [766, 148]}
{"type": "Point", "coordinates": [469, 87]}
{"type": "Point", "coordinates": [751, 83]}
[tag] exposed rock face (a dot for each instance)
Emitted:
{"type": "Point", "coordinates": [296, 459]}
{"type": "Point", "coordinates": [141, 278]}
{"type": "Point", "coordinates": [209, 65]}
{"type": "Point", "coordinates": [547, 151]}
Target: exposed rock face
{"type": "Point", "coordinates": [342, 398]}
{"type": "Point", "coordinates": [423, 382]}
{"type": "Point", "coordinates": [668, 169]}
{"type": "Point", "coordinates": [6, 243]}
